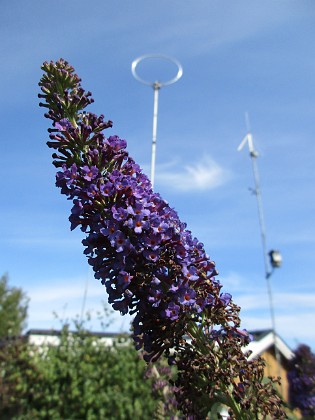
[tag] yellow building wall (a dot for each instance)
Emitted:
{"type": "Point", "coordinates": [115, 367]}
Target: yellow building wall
{"type": "Point", "coordinates": [272, 369]}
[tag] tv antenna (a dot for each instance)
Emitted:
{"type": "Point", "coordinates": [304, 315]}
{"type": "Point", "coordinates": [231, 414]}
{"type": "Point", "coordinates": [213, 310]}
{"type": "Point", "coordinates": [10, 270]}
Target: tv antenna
{"type": "Point", "coordinates": [275, 259]}
{"type": "Point", "coordinates": [156, 85]}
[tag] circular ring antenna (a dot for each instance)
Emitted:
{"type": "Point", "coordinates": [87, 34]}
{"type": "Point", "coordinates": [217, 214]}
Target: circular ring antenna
{"type": "Point", "coordinates": [162, 57]}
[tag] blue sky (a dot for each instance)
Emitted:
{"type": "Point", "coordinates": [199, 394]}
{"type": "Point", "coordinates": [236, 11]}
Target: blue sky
{"type": "Point", "coordinates": [237, 56]}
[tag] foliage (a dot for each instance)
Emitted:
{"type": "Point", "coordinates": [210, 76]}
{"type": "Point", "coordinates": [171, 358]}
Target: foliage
{"type": "Point", "coordinates": [149, 262]}
{"type": "Point", "coordinates": [301, 377]}
{"type": "Point", "coordinates": [19, 379]}
{"type": "Point", "coordinates": [80, 378]}
{"type": "Point", "coordinates": [162, 375]}
{"type": "Point", "coordinates": [13, 309]}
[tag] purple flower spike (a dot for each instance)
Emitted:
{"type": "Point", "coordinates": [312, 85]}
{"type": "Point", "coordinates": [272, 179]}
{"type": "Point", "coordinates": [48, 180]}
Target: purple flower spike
{"type": "Point", "coordinates": [149, 262]}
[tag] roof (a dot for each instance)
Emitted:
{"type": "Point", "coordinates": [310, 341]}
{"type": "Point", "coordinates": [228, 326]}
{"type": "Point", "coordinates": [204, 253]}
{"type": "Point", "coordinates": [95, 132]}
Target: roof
{"type": "Point", "coordinates": [52, 332]}
{"type": "Point", "coordinates": [266, 339]}
{"type": "Point", "coordinates": [41, 337]}
{"type": "Point", "coordinates": [262, 340]}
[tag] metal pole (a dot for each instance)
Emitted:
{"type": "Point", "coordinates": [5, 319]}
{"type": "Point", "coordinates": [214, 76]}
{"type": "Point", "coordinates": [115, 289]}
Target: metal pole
{"type": "Point", "coordinates": [156, 88]}
{"type": "Point", "coordinates": [254, 155]}
{"type": "Point", "coordinates": [268, 272]}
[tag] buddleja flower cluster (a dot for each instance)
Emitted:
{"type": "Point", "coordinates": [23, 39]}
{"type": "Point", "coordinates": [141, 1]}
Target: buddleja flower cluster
{"type": "Point", "coordinates": [149, 262]}
{"type": "Point", "coordinates": [301, 376]}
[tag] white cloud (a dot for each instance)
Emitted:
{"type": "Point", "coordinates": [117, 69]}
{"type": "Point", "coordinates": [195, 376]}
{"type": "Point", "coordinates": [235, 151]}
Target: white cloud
{"type": "Point", "coordinates": [297, 325]}
{"type": "Point", "coordinates": [282, 301]}
{"type": "Point", "coordinates": [294, 311]}
{"type": "Point", "coordinates": [292, 328]}
{"type": "Point", "coordinates": [232, 281]}
{"type": "Point", "coordinates": [52, 315]}
{"type": "Point", "coordinates": [215, 29]}
{"type": "Point", "coordinates": [46, 241]}
{"type": "Point", "coordinates": [65, 298]}
{"type": "Point", "coordinates": [202, 175]}
{"type": "Point", "coordinates": [294, 315]}
{"type": "Point", "coordinates": [65, 290]}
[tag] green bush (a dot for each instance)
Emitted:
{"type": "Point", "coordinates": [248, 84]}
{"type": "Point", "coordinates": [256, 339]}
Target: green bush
{"type": "Point", "coordinates": [80, 378]}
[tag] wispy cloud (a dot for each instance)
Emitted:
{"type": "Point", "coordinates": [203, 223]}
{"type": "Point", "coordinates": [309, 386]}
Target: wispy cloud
{"type": "Point", "coordinates": [214, 29]}
{"type": "Point", "coordinates": [294, 310]}
{"type": "Point", "coordinates": [64, 300]}
{"type": "Point", "coordinates": [66, 290]}
{"type": "Point", "coordinates": [65, 297]}
{"type": "Point", "coordinates": [283, 301]}
{"type": "Point", "coordinates": [232, 281]}
{"type": "Point", "coordinates": [293, 329]}
{"type": "Point", "coordinates": [202, 175]}
{"type": "Point", "coordinates": [46, 241]}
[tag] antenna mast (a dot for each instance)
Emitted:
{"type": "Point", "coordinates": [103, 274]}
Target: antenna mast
{"type": "Point", "coordinates": [275, 257]}
{"type": "Point", "coordinates": [156, 85]}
